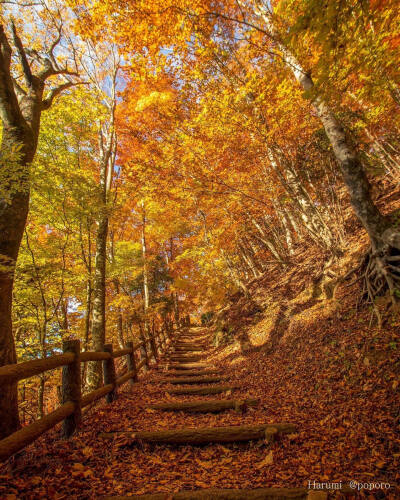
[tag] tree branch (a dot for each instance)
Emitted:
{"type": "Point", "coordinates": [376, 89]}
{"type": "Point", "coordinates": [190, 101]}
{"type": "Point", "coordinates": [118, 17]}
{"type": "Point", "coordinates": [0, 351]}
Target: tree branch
{"type": "Point", "coordinates": [9, 109]}
{"type": "Point", "coordinates": [22, 56]}
{"type": "Point", "coordinates": [46, 103]}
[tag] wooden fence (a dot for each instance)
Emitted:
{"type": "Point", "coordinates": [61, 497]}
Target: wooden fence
{"type": "Point", "coordinates": [70, 412]}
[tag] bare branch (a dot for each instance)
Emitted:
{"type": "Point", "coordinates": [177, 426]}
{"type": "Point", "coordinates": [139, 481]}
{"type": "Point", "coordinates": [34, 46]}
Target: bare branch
{"type": "Point", "coordinates": [46, 103]}
{"type": "Point", "coordinates": [19, 91]}
{"type": "Point", "coordinates": [21, 4]}
{"type": "Point", "coordinates": [54, 45]}
{"type": "Point", "coordinates": [22, 56]}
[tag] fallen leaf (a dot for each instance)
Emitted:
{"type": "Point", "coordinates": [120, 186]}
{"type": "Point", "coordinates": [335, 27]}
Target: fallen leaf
{"type": "Point", "coordinates": [268, 460]}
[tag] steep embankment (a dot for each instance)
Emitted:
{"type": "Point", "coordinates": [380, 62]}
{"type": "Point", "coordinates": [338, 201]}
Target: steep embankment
{"type": "Point", "coordinates": [321, 363]}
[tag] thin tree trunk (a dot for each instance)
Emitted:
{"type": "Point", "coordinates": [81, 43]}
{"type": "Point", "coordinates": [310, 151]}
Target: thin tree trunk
{"type": "Point", "coordinates": [286, 227]}
{"type": "Point", "coordinates": [355, 178]}
{"type": "Point", "coordinates": [94, 375]}
{"type": "Point", "coordinates": [267, 242]}
{"type": "Point", "coordinates": [40, 400]}
{"type": "Point", "coordinates": [175, 295]}
{"type": "Point", "coordinates": [146, 297]}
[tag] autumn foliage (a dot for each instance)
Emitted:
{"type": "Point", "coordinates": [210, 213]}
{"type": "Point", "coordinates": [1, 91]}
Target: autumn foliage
{"type": "Point", "coordinates": [166, 158]}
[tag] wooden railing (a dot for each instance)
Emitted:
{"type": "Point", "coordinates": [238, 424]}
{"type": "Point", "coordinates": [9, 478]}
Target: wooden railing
{"type": "Point", "coordinates": [70, 412]}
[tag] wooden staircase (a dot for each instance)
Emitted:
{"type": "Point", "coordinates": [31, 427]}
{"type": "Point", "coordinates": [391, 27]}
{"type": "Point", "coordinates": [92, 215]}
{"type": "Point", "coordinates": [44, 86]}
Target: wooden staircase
{"type": "Point", "coordinates": [188, 374]}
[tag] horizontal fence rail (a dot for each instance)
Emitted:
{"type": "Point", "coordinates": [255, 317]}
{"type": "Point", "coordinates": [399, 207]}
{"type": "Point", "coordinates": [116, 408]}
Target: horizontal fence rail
{"type": "Point", "coordinates": [71, 410]}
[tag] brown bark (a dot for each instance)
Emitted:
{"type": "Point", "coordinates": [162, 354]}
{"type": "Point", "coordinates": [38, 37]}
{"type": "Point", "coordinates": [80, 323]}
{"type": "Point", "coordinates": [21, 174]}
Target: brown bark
{"type": "Point", "coordinates": [225, 494]}
{"type": "Point", "coordinates": [205, 435]}
{"type": "Point", "coordinates": [20, 112]}
{"type": "Point", "coordinates": [107, 147]}
{"type": "Point", "coordinates": [345, 153]}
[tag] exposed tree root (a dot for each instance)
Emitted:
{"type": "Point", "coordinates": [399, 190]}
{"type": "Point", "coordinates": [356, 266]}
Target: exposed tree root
{"type": "Point", "coordinates": [380, 273]}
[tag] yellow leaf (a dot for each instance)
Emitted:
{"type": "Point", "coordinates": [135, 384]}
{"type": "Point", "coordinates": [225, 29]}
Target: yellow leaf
{"type": "Point", "coordinates": [78, 466]}
{"type": "Point", "coordinates": [268, 460]}
{"type": "Point", "coordinates": [205, 464]}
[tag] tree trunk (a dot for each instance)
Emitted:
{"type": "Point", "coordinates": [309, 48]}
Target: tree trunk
{"type": "Point", "coordinates": [13, 214]}
{"type": "Point", "coordinates": [88, 311]}
{"type": "Point", "coordinates": [355, 178]}
{"type": "Point", "coordinates": [286, 227]}
{"type": "Point", "coordinates": [41, 396]}
{"type": "Point", "coordinates": [94, 372]}
{"type": "Point", "coordinates": [20, 114]}
{"type": "Point", "coordinates": [267, 242]}
{"type": "Point", "coordinates": [175, 295]}
{"type": "Point", "coordinates": [120, 321]}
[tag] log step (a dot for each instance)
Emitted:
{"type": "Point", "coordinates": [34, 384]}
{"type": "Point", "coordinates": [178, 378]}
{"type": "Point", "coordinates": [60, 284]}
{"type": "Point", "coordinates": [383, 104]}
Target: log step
{"type": "Point", "coordinates": [188, 352]}
{"type": "Point", "coordinates": [187, 348]}
{"type": "Point", "coordinates": [216, 389]}
{"type": "Point", "coordinates": [198, 347]}
{"type": "Point", "coordinates": [184, 359]}
{"type": "Point", "coordinates": [205, 435]}
{"type": "Point", "coordinates": [201, 406]}
{"type": "Point", "coordinates": [195, 380]}
{"type": "Point", "coordinates": [189, 366]}
{"type": "Point", "coordinates": [225, 494]}
{"type": "Point", "coordinates": [191, 373]}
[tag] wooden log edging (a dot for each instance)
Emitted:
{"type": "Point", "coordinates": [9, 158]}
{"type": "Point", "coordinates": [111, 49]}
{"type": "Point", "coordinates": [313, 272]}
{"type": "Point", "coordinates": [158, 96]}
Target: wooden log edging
{"type": "Point", "coordinates": [200, 406]}
{"type": "Point", "coordinates": [189, 366]}
{"type": "Point", "coordinates": [194, 380]}
{"type": "Point", "coordinates": [224, 494]}
{"type": "Point", "coordinates": [216, 389]}
{"type": "Point", "coordinates": [190, 373]}
{"type": "Point", "coordinates": [205, 435]}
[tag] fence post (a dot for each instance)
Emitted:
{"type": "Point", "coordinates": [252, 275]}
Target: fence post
{"type": "Point", "coordinates": [131, 363]}
{"type": "Point", "coordinates": [109, 374]}
{"type": "Point", "coordinates": [143, 354]}
{"type": "Point", "coordinates": [161, 339]}
{"type": "Point", "coordinates": [153, 345]}
{"type": "Point", "coordinates": [158, 339]}
{"type": "Point", "coordinates": [71, 387]}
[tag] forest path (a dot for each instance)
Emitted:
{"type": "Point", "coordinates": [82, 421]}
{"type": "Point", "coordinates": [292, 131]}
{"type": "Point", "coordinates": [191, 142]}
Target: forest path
{"type": "Point", "coordinates": [224, 440]}
{"type": "Point", "coordinates": [186, 372]}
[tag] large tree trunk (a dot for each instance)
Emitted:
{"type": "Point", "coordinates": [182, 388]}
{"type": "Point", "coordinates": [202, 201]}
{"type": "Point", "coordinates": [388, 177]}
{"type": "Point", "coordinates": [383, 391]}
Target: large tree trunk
{"type": "Point", "coordinates": [20, 113]}
{"type": "Point", "coordinates": [14, 178]}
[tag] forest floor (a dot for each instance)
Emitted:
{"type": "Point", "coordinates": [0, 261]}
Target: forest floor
{"type": "Point", "coordinates": [329, 370]}
{"type": "Point", "coordinates": [346, 409]}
